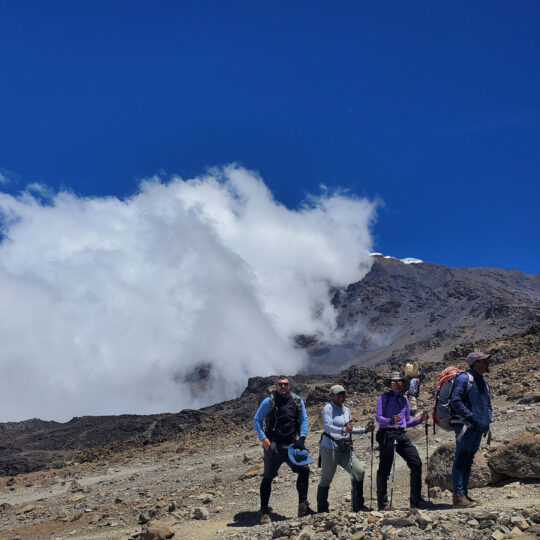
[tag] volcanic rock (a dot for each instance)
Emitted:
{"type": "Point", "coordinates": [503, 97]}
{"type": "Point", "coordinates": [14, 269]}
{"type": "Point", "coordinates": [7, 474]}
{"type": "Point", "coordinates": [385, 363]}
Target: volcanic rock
{"type": "Point", "coordinates": [440, 469]}
{"type": "Point", "coordinates": [520, 458]}
{"type": "Point", "coordinates": [157, 530]}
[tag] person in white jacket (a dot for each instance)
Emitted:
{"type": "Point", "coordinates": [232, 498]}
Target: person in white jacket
{"type": "Point", "coordinates": [335, 449]}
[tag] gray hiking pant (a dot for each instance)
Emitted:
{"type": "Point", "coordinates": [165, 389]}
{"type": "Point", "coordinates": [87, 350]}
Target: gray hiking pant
{"type": "Point", "coordinates": [330, 459]}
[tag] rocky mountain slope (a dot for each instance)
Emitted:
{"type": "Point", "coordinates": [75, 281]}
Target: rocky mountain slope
{"type": "Point", "coordinates": [202, 480]}
{"type": "Point", "coordinates": [424, 310]}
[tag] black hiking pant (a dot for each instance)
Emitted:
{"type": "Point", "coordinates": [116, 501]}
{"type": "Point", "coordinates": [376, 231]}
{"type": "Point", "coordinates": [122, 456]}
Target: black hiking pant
{"type": "Point", "coordinates": [404, 447]}
{"type": "Point", "coordinates": [274, 457]}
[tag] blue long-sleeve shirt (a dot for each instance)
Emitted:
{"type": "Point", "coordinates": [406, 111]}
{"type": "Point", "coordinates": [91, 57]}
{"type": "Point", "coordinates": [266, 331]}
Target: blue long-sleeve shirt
{"type": "Point", "coordinates": [414, 387]}
{"type": "Point", "coordinates": [397, 404]}
{"type": "Point", "coordinates": [334, 419]}
{"type": "Point", "coordinates": [262, 413]}
{"type": "Point", "coordinates": [473, 406]}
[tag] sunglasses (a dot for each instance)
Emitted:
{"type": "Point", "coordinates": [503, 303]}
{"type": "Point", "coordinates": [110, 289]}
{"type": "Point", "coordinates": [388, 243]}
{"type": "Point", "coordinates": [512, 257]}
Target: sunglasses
{"type": "Point", "coordinates": [283, 384]}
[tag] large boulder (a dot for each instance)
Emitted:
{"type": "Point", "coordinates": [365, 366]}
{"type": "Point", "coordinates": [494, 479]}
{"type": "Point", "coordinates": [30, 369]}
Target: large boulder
{"type": "Point", "coordinates": [157, 530]}
{"type": "Point", "coordinates": [440, 469]}
{"type": "Point", "coordinates": [520, 458]}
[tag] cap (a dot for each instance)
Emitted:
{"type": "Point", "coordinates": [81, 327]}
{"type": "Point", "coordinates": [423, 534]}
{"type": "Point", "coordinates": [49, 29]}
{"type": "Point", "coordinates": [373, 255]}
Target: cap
{"type": "Point", "coordinates": [337, 389]}
{"type": "Point", "coordinates": [475, 356]}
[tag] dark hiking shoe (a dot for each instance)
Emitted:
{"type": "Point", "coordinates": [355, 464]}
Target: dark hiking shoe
{"type": "Point", "coordinates": [385, 508]}
{"type": "Point", "coordinates": [265, 516]}
{"type": "Point", "coordinates": [459, 500]}
{"type": "Point", "coordinates": [422, 504]}
{"type": "Point", "coordinates": [304, 510]}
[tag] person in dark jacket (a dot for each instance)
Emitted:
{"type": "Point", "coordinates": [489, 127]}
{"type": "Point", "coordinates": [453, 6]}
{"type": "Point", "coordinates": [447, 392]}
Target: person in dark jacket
{"type": "Point", "coordinates": [286, 425]}
{"type": "Point", "coordinates": [471, 405]}
{"type": "Point", "coordinates": [394, 417]}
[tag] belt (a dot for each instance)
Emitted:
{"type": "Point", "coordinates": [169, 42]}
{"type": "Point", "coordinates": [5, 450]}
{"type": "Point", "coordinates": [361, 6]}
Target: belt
{"type": "Point", "coordinates": [399, 430]}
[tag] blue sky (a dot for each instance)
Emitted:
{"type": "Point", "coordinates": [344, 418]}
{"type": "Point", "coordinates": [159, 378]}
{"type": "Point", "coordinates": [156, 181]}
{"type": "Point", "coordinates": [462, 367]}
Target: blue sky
{"type": "Point", "coordinates": [431, 107]}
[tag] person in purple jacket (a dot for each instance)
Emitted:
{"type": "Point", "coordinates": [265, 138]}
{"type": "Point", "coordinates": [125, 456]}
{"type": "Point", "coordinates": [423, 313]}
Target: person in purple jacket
{"type": "Point", "coordinates": [394, 417]}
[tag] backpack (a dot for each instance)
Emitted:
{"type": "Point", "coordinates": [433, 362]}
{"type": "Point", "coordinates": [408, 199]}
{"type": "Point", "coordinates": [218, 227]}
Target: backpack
{"type": "Point", "coordinates": [442, 412]}
{"type": "Point", "coordinates": [411, 370]}
{"type": "Point", "coordinates": [297, 401]}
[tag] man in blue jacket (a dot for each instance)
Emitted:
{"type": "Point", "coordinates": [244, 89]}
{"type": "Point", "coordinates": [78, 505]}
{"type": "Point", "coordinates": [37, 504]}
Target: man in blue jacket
{"type": "Point", "coordinates": [471, 404]}
{"type": "Point", "coordinates": [286, 422]}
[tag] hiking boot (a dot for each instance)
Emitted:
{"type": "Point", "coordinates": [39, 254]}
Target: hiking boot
{"type": "Point", "coordinates": [422, 504]}
{"type": "Point", "coordinates": [265, 517]}
{"type": "Point", "coordinates": [304, 510]}
{"type": "Point", "coordinates": [459, 500]}
{"type": "Point", "coordinates": [322, 499]}
{"type": "Point", "coordinates": [473, 501]}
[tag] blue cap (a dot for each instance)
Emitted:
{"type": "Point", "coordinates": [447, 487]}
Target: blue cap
{"type": "Point", "coordinates": [299, 456]}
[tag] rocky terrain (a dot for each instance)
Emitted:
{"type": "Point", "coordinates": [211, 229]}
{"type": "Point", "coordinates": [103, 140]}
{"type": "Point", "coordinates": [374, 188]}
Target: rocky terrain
{"type": "Point", "coordinates": [424, 310]}
{"type": "Point", "coordinates": [197, 474]}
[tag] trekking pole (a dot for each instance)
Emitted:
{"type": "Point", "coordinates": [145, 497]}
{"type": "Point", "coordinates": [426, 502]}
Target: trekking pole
{"type": "Point", "coordinates": [351, 472]}
{"type": "Point", "coordinates": [371, 474]}
{"type": "Point", "coordinates": [427, 460]}
{"type": "Point", "coordinates": [393, 466]}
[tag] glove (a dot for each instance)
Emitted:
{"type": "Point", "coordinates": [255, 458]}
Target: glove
{"type": "Point", "coordinates": [299, 443]}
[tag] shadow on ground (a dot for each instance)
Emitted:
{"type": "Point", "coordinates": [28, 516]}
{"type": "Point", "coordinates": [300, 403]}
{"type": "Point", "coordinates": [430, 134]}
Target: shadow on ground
{"type": "Point", "coordinates": [249, 519]}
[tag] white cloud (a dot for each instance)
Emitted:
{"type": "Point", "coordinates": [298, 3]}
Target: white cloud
{"type": "Point", "coordinates": [110, 305]}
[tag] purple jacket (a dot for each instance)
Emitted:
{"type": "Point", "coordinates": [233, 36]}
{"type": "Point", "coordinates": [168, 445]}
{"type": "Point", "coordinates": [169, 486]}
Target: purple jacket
{"type": "Point", "coordinates": [388, 405]}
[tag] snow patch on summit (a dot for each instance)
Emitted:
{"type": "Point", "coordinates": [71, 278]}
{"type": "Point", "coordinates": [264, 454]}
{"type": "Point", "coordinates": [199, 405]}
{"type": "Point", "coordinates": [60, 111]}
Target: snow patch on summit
{"type": "Point", "coordinates": [407, 260]}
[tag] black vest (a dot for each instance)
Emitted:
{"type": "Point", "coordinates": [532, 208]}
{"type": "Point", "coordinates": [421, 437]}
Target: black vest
{"type": "Point", "coordinates": [283, 424]}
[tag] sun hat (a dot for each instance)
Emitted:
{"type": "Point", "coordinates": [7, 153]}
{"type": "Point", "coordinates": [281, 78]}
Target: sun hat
{"type": "Point", "coordinates": [299, 456]}
{"type": "Point", "coordinates": [397, 376]}
{"type": "Point", "coordinates": [337, 389]}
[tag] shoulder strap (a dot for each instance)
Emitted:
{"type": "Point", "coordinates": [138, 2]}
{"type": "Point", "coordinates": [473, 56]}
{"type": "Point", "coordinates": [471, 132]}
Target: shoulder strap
{"type": "Point", "coordinates": [386, 404]}
{"type": "Point", "coordinates": [469, 382]}
{"type": "Point", "coordinates": [272, 403]}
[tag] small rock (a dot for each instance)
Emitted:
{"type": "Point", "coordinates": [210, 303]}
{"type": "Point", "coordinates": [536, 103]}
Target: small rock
{"type": "Point", "coordinates": [497, 535]}
{"type": "Point", "coordinates": [4, 507]}
{"type": "Point", "coordinates": [423, 518]}
{"type": "Point", "coordinates": [519, 522]}
{"type": "Point", "coordinates": [75, 498]}
{"type": "Point", "coordinates": [281, 530]}
{"type": "Point", "coordinates": [28, 508]}
{"type": "Point", "coordinates": [515, 532]}
{"type": "Point", "coordinates": [200, 513]}
{"type": "Point", "coordinates": [398, 521]}
{"type": "Point", "coordinates": [75, 486]}
{"type": "Point", "coordinates": [307, 533]}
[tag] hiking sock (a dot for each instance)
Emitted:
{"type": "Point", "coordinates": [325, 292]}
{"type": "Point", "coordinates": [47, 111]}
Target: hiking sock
{"type": "Point", "coordinates": [265, 490]}
{"type": "Point", "coordinates": [302, 485]}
